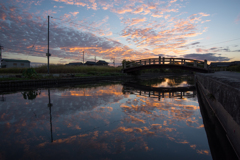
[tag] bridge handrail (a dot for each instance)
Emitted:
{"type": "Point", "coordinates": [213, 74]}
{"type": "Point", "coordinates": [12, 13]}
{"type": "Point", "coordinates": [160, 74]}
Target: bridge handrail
{"type": "Point", "coordinates": [165, 61]}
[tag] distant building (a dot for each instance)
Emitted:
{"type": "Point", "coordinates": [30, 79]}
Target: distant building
{"type": "Point", "coordinates": [102, 63]}
{"type": "Point", "coordinates": [90, 63]}
{"type": "Point", "coordinates": [74, 64]}
{"type": "Point", "coordinates": [14, 63]}
{"type": "Point", "coordinates": [235, 63]}
{"type": "Point", "coordinates": [220, 64]}
{"type": "Point", "coordinates": [223, 64]}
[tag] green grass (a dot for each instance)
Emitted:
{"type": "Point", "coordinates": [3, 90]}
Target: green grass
{"type": "Point", "coordinates": [65, 69]}
{"type": "Point", "coordinates": [78, 71]}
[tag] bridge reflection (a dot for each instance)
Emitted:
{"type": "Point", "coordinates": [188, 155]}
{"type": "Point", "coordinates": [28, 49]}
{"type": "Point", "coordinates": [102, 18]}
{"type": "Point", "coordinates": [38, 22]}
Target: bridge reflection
{"type": "Point", "coordinates": [161, 92]}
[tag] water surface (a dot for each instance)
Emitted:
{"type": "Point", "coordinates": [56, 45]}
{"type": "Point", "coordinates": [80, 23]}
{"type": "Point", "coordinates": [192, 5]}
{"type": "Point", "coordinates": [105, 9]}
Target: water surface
{"type": "Point", "coordinates": [102, 122]}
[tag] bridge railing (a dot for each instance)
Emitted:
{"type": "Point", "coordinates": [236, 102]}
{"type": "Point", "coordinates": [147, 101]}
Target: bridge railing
{"type": "Point", "coordinates": [166, 61]}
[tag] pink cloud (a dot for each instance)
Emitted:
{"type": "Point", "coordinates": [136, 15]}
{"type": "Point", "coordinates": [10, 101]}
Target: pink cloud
{"type": "Point", "coordinates": [91, 4]}
{"type": "Point", "coordinates": [237, 20]}
{"type": "Point", "coordinates": [133, 21]}
{"type": "Point", "coordinates": [74, 13]}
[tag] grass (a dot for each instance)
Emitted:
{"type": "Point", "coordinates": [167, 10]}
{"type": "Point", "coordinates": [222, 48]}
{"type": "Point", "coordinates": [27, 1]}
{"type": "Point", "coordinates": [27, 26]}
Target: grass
{"type": "Point", "coordinates": [78, 71]}
{"type": "Point", "coordinates": [65, 69]}
{"type": "Point", "coordinates": [234, 68]}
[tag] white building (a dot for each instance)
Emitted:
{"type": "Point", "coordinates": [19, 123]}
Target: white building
{"type": "Point", "coordinates": [14, 63]}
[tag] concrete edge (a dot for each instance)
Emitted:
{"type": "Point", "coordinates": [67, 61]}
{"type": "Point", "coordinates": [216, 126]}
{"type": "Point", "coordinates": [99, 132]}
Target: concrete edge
{"type": "Point", "coordinates": [230, 126]}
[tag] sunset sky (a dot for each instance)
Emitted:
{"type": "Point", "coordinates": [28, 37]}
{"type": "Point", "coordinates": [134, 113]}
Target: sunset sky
{"type": "Point", "coordinates": [120, 29]}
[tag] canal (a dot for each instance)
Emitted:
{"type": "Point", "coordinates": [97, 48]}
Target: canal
{"type": "Point", "coordinates": [104, 121]}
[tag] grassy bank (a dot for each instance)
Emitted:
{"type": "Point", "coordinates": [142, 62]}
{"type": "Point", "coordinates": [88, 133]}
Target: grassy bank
{"type": "Point", "coordinates": [234, 68]}
{"type": "Point", "coordinates": [65, 69]}
{"type": "Point", "coordinates": [60, 70]}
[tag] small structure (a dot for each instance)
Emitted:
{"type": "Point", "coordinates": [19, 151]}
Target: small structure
{"type": "Point", "coordinates": [90, 63]}
{"type": "Point", "coordinates": [14, 63]}
{"type": "Point", "coordinates": [220, 64]}
{"type": "Point", "coordinates": [235, 63]}
{"type": "Point", "coordinates": [75, 64]}
{"type": "Point", "coordinates": [102, 63]}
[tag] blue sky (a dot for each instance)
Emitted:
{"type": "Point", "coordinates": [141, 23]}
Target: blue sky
{"type": "Point", "coordinates": [133, 29]}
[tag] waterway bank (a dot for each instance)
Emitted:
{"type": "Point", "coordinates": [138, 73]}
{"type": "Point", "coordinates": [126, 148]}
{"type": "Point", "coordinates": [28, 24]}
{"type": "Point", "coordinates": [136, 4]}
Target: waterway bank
{"type": "Point", "coordinates": [221, 92]}
{"type": "Point", "coordinates": [16, 84]}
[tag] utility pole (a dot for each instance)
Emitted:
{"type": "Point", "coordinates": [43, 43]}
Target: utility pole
{"type": "Point", "coordinates": [83, 57]}
{"type": "Point", "coordinates": [1, 47]}
{"type": "Point", "coordinates": [48, 54]}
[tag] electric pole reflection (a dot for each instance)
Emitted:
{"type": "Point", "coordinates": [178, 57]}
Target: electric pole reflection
{"type": "Point", "coordinates": [50, 112]}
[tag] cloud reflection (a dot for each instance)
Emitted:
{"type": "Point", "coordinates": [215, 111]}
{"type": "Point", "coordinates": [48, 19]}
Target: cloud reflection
{"type": "Point", "coordinates": [102, 121]}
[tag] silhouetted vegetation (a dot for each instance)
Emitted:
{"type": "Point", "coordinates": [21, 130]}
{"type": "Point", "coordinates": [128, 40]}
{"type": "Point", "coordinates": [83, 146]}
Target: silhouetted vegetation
{"type": "Point", "coordinates": [234, 68]}
{"type": "Point", "coordinates": [30, 95]}
{"type": "Point", "coordinates": [64, 69]}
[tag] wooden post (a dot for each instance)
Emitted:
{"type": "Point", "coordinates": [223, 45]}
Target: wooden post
{"type": "Point", "coordinates": [173, 60]}
{"type": "Point", "coordinates": [153, 61]}
{"type": "Point", "coordinates": [163, 59]}
{"type": "Point", "coordinates": [149, 61]}
{"type": "Point", "coordinates": [181, 61]}
{"type": "Point", "coordinates": [170, 61]}
{"type": "Point", "coordinates": [184, 62]}
{"type": "Point", "coordinates": [159, 60]}
{"type": "Point", "coordinates": [205, 64]}
{"type": "Point", "coordinates": [140, 62]}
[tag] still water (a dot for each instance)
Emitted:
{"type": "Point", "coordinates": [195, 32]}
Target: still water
{"type": "Point", "coordinates": [107, 121]}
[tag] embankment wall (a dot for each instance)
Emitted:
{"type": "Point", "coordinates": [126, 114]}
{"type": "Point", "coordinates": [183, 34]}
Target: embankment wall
{"type": "Point", "coordinates": [222, 94]}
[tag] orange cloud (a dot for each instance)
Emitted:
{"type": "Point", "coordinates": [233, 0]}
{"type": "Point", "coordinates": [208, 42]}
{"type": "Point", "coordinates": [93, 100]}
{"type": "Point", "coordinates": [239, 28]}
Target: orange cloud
{"type": "Point", "coordinates": [74, 13]}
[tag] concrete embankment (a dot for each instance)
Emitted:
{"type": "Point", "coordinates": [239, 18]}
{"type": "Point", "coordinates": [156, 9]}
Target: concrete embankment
{"type": "Point", "coordinates": [15, 84]}
{"type": "Point", "coordinates": [221, 93]}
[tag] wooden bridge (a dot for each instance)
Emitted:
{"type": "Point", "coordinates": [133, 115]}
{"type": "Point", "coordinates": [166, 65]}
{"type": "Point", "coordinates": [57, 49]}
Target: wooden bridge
{"type": "Point", "coordinates": [162, 62]}
{"type": "Point", "coordinates": [163, 92]}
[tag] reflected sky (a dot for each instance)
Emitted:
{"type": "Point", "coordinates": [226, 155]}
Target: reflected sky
{"type": "Point", "coordinates": [100, 123]}
{"type": "Point", "coordinates": [180, 81]}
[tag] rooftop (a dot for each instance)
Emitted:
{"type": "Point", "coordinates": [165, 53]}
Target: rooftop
{"type": "Point", "coordinates": [15, 60]}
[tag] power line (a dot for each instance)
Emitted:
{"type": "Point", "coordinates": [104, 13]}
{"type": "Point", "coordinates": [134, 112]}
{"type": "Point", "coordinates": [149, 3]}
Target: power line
{"type": "Point", "coordinates": [38, 35]}
{"type": "Point", "coordinates": [22, 50]}
{"type": "Point", "coordinates": [223, 41]}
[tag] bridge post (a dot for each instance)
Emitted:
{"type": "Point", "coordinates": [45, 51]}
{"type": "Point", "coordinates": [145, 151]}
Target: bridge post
{"type": "Point", "coordinates": [159, 60]}
{"type": "Point", "coordinates": [184, 62]}
{"type": "Point", "coordinates": [153, 61]}
{"type": "Point", "coordinates": [181, 61]}
{"type": "Point", "coordinates": [163, 59]}
{"type": "Point", "coordinates": [205, 64]}
{"type": "Point", "coordinates": [195, 63]}
{"type": "Point", "coordinates": [149, 61]}
{"type": "Point", "coordinates": [173, 61]}
{"type": "Point", "coordinates": [170, 60]}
